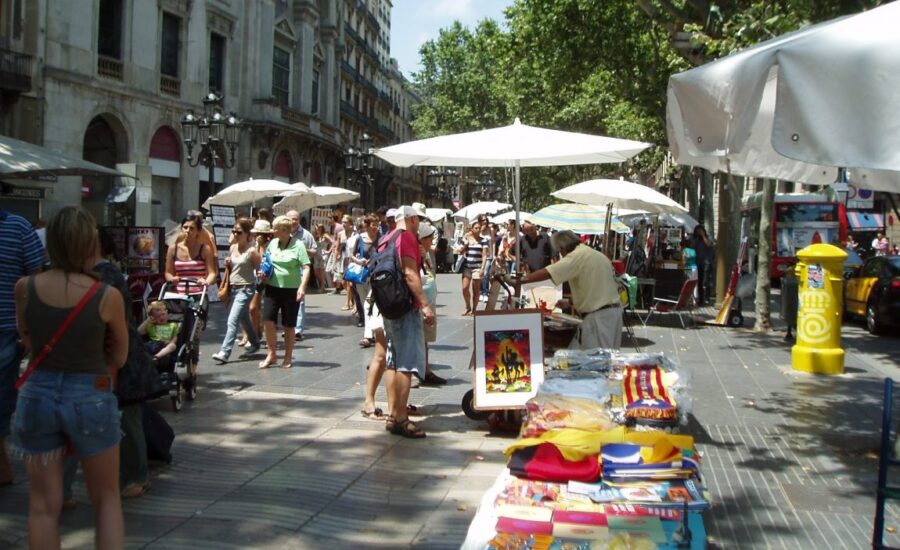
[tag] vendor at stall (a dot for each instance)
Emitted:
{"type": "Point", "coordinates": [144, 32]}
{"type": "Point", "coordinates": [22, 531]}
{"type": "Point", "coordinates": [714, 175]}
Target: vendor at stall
{"type": "Point", "coordinates": [594, 291]}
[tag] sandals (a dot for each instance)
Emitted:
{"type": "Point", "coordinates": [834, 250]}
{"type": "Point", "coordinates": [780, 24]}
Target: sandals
{"type": "Point", "coordinates": [374, 414]}
{"type": "Point", "coordinates": [266, 363]}
{"type": "Point", "coordinates": [412, 409]}
{"type": "Point", "coordinates": [134, 490]}
{"type": "Point", "coordinates": [365, 343]}
{"type": "Point", "coordinates": [407, 429]}
{"type": "Point", "coordinates": [466, 313]}
{"type": "Point", "coordinates": [287, 365]}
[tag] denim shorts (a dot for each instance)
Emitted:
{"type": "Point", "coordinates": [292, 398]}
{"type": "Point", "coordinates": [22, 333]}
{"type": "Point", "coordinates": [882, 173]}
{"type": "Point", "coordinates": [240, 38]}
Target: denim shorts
{"type": "Point", "coordinates": [56, 407]}
{"type": "Point", "coordinates": [10, 356]}
{"type": "Point", "coordinates": [406, 343]}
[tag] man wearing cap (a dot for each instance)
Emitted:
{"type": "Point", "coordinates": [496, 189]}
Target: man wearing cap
{"type": "Point", "coordinates": [309, 241]}
{"type": "Point", "coordinates": [405, 335]}
{"type": "Point", "coordinates": [594, 290]}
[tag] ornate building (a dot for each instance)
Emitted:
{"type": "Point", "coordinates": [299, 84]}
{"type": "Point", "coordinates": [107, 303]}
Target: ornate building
{"type": "Point", "coordinates": [111, 83]}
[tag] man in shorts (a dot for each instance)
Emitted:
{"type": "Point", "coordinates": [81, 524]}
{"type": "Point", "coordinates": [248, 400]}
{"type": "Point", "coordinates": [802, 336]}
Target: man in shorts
{"type": "Point", "coordinates": [406, 339]}
{"type": "Point", "coordinates": [23, 255]}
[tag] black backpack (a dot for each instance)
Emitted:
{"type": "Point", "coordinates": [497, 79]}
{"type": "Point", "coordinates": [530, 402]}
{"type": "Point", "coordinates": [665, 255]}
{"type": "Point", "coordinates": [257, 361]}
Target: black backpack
{"type": "Point", "coordinates": [389, 289]}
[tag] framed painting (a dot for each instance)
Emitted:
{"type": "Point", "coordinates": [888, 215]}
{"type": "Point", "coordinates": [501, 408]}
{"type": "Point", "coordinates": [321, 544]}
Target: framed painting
{"type": "Point", "coordinates": [509, 358]}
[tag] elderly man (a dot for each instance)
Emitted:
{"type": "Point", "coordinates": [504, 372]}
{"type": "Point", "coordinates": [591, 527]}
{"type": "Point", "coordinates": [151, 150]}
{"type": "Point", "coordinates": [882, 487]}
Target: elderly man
{"type": "Point", "coordinates": [309, 241]}
{"type": "Point", "coordinates": [405, 335]}
{"type": "Point", "coordinates": [594, 291]}
{"type": "Point", "coordinates": [536, 250]}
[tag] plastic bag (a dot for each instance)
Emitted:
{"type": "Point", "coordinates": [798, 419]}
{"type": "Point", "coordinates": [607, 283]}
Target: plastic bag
{"type": "Point", "coordinates": [551, 411]}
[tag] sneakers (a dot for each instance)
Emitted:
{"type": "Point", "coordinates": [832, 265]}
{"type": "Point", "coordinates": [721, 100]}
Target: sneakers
{"type": "Point", "coordinates": [220, 358]}
{"type": "Point", "coordinates": [483, 299]}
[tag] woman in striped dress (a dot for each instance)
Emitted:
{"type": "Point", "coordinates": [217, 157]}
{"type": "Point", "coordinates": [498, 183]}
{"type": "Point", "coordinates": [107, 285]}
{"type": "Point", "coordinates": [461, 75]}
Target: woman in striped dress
{"type": "Point", "coordinates": [191, 259]}
{"type": "Point", "coordinates": [476, 254]}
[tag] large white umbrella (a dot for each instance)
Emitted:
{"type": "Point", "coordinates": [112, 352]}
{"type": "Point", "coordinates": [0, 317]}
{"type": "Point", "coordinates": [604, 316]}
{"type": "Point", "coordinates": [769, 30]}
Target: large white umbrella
{"type": "Point", "coordinates": [799, 105]}
{"type": "Point", "coordinates": [583, 219]}
{"type": "Point", "coordinates": [633, 219]}
{"type": "Point", "coordinates": [512, 146]}
{"type": "Point", "coordinates": [472, 211]}
{"type": "Point", "coordinates": [621, 194]}
{"type": "Point", "coordinates": [304, 198]}
{"type": "Point", "coordinates": [23, 160]}
{"type": "Point", "coordinates": [436, 215]}
{"type": "Point", "coordinates": [247, 192]}
{"type": "Point", "coordinates": [510, 216]}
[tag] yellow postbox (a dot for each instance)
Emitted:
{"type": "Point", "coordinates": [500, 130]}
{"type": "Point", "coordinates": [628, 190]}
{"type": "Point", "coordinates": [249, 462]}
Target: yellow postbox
{"type": "Point", "coordinates": [818, 349]}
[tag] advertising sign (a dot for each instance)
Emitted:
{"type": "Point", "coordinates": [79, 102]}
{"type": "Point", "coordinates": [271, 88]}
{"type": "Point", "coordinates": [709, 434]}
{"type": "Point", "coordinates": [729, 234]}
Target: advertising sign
{"type": "Point", "coordinates": [143, 249]}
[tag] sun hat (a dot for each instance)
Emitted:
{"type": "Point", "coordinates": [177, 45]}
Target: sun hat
{"type": "Point", "coordinates": [391, 212]}
{"type": "Point", "coordinates": [420, 209]}
{"type": "Point", "coordinates": [405, 212]}
{"type": "Point", "coordinates": [426, 230]}
{"type": "Point", "coordinates": [261, 226]}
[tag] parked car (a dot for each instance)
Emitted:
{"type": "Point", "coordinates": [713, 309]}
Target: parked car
{"type": "Point", "coordinates": [873, 292]}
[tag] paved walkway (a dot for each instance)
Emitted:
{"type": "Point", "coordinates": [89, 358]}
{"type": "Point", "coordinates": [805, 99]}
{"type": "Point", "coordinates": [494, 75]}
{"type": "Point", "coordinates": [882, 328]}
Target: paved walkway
{"type": "Point", "coordinates": [283, 459]}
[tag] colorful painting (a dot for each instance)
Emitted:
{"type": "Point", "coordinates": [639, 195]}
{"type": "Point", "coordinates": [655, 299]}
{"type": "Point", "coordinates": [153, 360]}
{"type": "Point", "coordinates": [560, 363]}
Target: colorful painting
{"type": "Point", "coordinates": [508, 357]}
{"type": "Point", "coordinates": [507, 360]}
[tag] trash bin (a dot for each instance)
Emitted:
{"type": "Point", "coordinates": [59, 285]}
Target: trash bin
{"type": "Point", "coordinates": [790, 300]}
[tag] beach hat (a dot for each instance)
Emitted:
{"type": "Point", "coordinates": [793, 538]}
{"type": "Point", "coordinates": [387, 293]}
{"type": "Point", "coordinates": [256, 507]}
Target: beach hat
{"type": "Point", "coordinates": [420, 209]}
{"type": "Point", "coordinates": [405, 212]}
{"type": "Point", "coordinates": [426, 230]}
{"type": "Point", "coordinates": [261, 226]}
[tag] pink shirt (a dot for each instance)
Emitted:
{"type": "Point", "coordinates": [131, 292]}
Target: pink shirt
{"type": "Point", "coordinates": [407, 247]}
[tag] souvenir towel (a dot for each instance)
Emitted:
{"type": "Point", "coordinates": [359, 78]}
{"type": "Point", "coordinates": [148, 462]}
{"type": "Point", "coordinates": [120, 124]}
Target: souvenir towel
{"type": "Point", "coordinates": [576, 444]}
{"type": "Point", "coordinates": [546, 463]}
{"type": "Point", "coordinates": [645, 394]}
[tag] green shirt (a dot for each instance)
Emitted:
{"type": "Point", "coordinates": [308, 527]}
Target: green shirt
{"type": "Point", "coordinates": [161, 333]}
{"type": "Point", "coordinates": [288, 263]}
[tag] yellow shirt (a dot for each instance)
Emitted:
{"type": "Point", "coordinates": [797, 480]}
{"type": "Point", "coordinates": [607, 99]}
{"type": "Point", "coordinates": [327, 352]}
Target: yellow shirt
{"type": "Point", "coordinates": [590, 274]}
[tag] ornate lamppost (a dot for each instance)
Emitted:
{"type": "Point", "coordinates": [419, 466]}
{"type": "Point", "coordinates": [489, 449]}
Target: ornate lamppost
{"type": "Point", "coordinates": [442, 184]}
{"type": "Point", "coordinates": [360, 162]}
{"type": "Point", "coordinates": [213, 132]}
{"type": "Point", "coordinates": [485, 187]}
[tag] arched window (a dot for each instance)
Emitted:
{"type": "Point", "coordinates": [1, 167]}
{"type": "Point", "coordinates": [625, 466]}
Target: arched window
{"type": "Point", "coordinates": [283, 170]}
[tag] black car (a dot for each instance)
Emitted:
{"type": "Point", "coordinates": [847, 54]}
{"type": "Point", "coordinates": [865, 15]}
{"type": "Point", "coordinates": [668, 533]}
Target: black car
{"type": "Point", "coordinates": [873, 292]}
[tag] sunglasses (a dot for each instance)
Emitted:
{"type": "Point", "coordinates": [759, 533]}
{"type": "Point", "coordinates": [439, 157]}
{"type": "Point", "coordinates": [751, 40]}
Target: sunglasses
{"type": "Point", "coordinates": [235, 232]}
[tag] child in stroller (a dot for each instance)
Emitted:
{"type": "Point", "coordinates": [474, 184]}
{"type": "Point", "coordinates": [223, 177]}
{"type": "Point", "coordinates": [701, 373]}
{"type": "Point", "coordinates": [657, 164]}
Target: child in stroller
{"type": "Point", "coordinates": [162, 335]}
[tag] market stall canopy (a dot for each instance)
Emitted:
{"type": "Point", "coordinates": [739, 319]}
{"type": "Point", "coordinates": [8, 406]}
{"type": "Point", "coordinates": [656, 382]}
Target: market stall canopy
{"type": "Point", "coordinates": [436, 215]}
{"type": "Point", "coordinates": [23, 160]}
{"type": "Point", "coordinates": [500, 219]}
{"type": "Point", "coordinates": [781, 109]}
{"type": "Point", "coordinates": [622, 194]}
{"type": "Point", "coordinates": [324, 195]}
{"type": "Point", "coordinates": [633, 219]}
{"type": "Point", "coordinates": [583, 219]}
{"type": "Point", "coordinates": [248, 192]}
{"type": "Point", "coordinates": [476, 209]}
{"type": "Point", "coordinates": [514, 145]}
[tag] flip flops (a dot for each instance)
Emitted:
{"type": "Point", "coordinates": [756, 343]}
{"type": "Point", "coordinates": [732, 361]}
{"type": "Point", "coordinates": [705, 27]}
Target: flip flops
{"type": "Point", "coordinates": [134, 490]}
{"type": "Point", "coordinates": [266, 363]}
{"type": "Point", "coordinates": [374, 414]}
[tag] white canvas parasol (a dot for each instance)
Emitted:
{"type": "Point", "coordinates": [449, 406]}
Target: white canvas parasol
{"type": "Point", "coordinates": [247, 192]}
{"type": "Point", "coordinates": [472, 211]}
{"type": "Point", "coordinates": [797, 106]}
{"type": "Point", "coordinates": [20, 159]}
{"type": "Point", "coordinates": [304, 198]}
{"type": "Point", "coordinates": [622, 194]}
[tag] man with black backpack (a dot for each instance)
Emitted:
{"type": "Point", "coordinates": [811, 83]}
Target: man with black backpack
{"type": "Point", "coordinates": [402, 325]}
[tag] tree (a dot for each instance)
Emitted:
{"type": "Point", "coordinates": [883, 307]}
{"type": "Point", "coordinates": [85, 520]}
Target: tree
{"type": "Point", "coordinates": [763, 282]}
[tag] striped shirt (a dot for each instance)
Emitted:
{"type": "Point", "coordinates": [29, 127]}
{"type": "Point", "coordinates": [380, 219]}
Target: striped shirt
{"type": "Point", "coordinates": [474, 253]}
{"type": "Point", "coordinates": [193, 268]}
{"type": "Point", "coordinates": [21, 253]}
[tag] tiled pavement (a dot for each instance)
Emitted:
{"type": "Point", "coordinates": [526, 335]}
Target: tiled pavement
{"type": "Point", "coordinates": [283, 459]}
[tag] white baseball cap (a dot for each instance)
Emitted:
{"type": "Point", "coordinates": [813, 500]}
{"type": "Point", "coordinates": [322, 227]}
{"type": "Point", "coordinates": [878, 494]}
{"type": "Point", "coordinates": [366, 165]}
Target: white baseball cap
{"type": "Point", "coordinates": [420, 209]}
{"type": "Point", "coordinates": [405, 212]}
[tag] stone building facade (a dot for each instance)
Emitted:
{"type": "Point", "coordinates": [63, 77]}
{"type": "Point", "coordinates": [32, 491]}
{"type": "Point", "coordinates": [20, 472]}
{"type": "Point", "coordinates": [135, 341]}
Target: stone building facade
{"type": "Point", "coordinates": [109, 81]}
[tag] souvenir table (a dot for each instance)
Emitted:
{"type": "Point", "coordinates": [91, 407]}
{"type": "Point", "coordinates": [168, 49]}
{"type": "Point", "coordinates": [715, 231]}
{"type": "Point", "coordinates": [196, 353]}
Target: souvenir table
{"type": "Point", "coordinates": [599, 460]}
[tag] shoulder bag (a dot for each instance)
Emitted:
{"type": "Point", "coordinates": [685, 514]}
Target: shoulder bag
{"type": "Point", "coordinates": [354, 272]}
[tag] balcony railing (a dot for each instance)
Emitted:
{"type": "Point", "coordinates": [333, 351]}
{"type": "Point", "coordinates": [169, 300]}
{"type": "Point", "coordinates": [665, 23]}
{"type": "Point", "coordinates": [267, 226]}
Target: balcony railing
{"type": "Point", "coordinates": [169, 85]}
{"type": "Point", "coordinates": [15, 71]}
{"type": "Point", "coordinates": [109, 68]}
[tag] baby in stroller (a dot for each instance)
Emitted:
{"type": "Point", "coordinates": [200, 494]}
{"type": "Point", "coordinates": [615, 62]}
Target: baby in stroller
{"type": "Point", "coordinates": [162, 335]}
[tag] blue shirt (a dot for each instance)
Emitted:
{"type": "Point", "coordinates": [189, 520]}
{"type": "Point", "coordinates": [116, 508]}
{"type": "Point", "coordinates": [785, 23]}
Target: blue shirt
{"type": "Point", "coordinates": [21, 253]}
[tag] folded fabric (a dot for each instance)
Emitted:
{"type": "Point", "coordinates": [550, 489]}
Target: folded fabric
{"type": "Point", "coordinates": [545, 462]}
{"type": "Point", "coordinates": [645, 395]}
{"type": "Point", "coordinates": [577, 444]}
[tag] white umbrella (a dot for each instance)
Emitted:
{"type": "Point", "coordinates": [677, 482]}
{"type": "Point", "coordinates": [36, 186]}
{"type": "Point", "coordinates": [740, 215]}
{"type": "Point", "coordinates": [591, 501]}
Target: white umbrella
{"type": "Point", "coordinates": [476, 209]}
{"type": "Point", "coordinates": [247, 192]}
{"type": "Point", "coordinates": [782, 109]}
{"type": "Point", "coordinates": [622, 194]}
{"type": "Point", "coordinates": [583, 219]}
{"type": "Point", "coordinates": [515, 146]}
{"type": "Point", "coordinates": [304, 197]}
{"type": "Point", "coordinates": [20, 159]}
{"type": "Point", "coordinates": [500, 219]}
{"type": "Point", "coordinates": [666, 220]}
{"type": "Point", "coordinates": [437, 214]}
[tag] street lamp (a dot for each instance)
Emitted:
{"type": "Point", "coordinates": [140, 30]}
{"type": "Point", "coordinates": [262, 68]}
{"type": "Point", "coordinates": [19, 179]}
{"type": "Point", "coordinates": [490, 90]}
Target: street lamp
{"type": "Point", "coordinates": [442, 184]}
{"type": "Point", "coordinates": [485, 187]}
{"type": "Point", "coordinates": [212, 132]}
{"type": "Point", "coordinates": [361, 163]}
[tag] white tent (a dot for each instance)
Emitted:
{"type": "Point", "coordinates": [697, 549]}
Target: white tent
{"type": "Point", "coordinates": [619, 193]}
{"type": "Point", "coordinates": [798, 106]}
{"type": "Point", "coordinates": [247, 192]}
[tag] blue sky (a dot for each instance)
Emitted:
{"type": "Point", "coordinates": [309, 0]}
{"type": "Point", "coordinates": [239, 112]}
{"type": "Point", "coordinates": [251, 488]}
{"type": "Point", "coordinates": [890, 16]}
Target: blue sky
{"type": "Point", "coordinates": [415, 21]}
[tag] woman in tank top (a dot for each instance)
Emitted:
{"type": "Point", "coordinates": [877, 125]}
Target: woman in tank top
{"type": "Point", "coordinates": [190, 258]}
{"type": "Point", "coordinates": [68, 400]}
{"type": "Point", "coordinates": [243, 260]}
{"type": "Point", "coordinates": [476, 254]}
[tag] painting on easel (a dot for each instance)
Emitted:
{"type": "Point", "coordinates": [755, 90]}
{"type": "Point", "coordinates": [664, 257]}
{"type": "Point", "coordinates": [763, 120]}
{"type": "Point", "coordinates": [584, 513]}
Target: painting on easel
{"type": "Point", "coordinates": [509, 361]}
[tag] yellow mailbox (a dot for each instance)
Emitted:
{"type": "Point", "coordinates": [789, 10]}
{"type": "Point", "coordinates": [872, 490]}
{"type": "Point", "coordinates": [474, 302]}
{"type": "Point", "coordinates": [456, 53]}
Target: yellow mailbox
{"type": "Point", "coordinates": [818, 348]}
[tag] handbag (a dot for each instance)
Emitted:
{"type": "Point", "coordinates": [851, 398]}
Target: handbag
{"type": "Point", "coordinates": [266, 267]}
{"type": "Point", "coordinates": [356, 273]}
{"type": "Point", "coordinates": [460, 264]}
{"type": "Point", "coordinates": [224, 292]}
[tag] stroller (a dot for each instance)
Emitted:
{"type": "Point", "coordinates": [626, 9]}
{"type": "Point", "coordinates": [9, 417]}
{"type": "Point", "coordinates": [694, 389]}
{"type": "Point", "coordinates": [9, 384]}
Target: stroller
{"type": "Point", "coordinates": [191, 313]}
